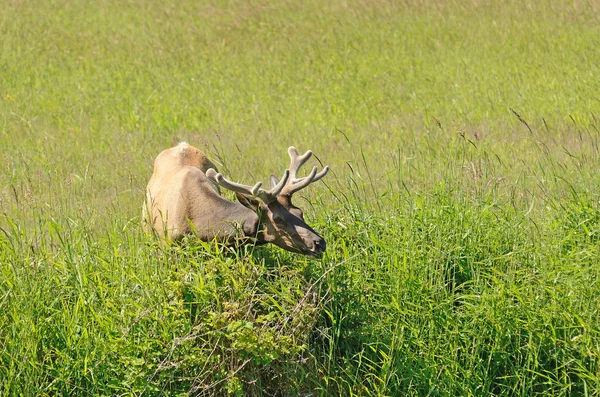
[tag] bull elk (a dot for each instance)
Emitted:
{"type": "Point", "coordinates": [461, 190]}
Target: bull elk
{"type": "Point", "coordinates": [183, 198]}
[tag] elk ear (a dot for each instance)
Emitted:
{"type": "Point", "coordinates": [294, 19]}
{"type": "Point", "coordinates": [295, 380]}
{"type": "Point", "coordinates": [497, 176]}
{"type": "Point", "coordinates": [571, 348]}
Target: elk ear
{"type": "Point", "coordinates": [248, 201]}
{"type": "Point", "coordinates": [274, 181]}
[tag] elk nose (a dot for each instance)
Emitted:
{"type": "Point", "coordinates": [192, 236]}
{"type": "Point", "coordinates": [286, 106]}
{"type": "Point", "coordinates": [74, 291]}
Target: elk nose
{"type": "Point", "coordinates": [319, 247]}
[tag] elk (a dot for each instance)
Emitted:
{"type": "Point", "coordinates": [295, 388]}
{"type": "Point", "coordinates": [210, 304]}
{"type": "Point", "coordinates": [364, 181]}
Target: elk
{"type": "Point", "coordinates": [183, 198]}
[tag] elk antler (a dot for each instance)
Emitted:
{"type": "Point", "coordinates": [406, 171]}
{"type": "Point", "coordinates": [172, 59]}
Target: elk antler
{"type": "Point", "coordinates": [256, 191]}
{"type": "Point", "coordinates": [294, 183]}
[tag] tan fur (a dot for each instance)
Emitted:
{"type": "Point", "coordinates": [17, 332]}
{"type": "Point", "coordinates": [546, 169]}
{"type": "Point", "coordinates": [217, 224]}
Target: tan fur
{"type": "Point", "coordinates": [181, 200]}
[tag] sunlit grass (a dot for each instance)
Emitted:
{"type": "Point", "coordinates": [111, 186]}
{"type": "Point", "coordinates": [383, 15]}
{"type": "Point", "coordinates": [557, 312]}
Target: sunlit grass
{"type": "Point", "coordinates": [461, 213]}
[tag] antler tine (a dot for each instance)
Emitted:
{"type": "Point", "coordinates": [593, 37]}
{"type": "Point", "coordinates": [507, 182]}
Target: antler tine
{"type": "Point", "coordinates": [233, 186]}
{"type": "Point", "coordinates": [321, 174]}
{"type": "Point", "coordinates": [279, 187]}
{"type": "Point", "coordinates": [289, 183]}
{"type": "Point", "coordinates": [256, 191]}
{"type": "Point", "coordinates": [296, 162]}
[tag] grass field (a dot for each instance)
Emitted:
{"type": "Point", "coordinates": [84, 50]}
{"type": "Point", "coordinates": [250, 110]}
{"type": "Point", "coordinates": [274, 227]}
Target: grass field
{"type": "Point", "coordinates": [462, 212]}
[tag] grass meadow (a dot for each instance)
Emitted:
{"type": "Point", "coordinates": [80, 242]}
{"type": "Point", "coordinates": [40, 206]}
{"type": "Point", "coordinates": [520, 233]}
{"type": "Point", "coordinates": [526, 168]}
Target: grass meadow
{"type": "Point", "coordinates": [462, 212]}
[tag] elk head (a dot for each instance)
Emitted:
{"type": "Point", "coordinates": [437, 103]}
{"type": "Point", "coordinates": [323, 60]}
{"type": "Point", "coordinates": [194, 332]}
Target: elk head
{"type": "Point", "coordinates": [281, 222]}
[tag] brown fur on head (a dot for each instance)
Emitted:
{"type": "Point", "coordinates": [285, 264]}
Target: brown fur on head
{"type": "Point", "coordinates": [283, 225]}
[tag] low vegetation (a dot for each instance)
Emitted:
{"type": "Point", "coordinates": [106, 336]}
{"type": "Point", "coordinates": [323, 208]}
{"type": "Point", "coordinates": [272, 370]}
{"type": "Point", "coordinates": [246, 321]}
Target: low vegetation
{"type": "Point", "coordinates": [461, 213]}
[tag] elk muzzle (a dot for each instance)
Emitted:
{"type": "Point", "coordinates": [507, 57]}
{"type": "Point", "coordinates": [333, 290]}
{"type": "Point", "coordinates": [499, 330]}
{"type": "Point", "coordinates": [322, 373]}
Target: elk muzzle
{"type": "Point", "coordinates": [318, 248]}
{"type": "Point", "coordinates": [292, 234]}
{"type": "Point", "coordinates": [308, 242]}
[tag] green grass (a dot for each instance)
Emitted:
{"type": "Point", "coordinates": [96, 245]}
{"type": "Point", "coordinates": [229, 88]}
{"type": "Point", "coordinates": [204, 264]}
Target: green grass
{"type": "Point", "coordinates": [462, 212]}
